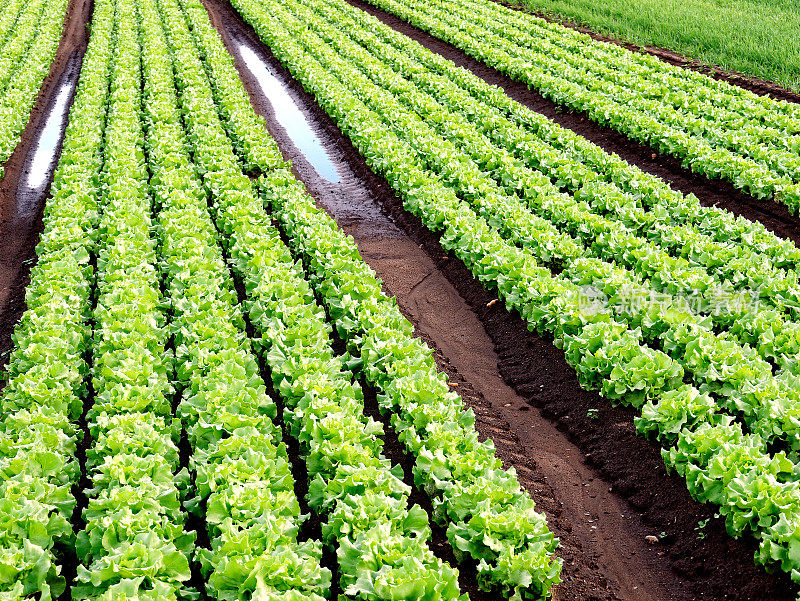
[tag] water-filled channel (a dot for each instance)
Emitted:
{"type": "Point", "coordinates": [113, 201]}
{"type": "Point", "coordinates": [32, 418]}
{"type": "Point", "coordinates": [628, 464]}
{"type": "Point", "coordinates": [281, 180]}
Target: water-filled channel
{"type": "Point", "coordinates": [289, 115]}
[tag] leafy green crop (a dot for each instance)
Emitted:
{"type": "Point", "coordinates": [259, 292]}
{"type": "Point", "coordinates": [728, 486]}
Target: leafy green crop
{"type": "Point", "coordinates": [222, 71]}
{"type": "Point", "coordinates": [606, 354]}
{"type": "Point", "coordinates": [151, 211]}
{"type": "Point", "coordinates": [43, 399]}
{"type": "Point", "coordinates": [243, 484]}
{"type": "Point", "coordinates": [709, 125]}
{"type": "Point", "coordinates": [653, 302]}
{"type": "Point", "coordinates": [134, 535]}
{"type": "Point", "coordinates": [664, 321]}
{"type": "Point", "coordinates": [10, 13]}
{"type": "Point", "coordinates": [383, 554]}
{"type": "Point", "coordinates": [717, 363]}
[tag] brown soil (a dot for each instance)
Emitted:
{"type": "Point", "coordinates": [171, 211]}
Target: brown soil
{"type": "Point", "coordinates": [774, 216]}
{"type": "Point", "coordinates": [758, 86]}
{"type": "Point", "coordinates": [21, 207]}
{"type": "Point", "coordinates": [602, 487]}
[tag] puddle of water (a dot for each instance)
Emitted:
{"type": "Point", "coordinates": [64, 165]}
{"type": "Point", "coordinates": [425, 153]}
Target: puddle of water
{"type": "Point", "coordinates": [289, 115]}
{"type": "Point", "coordinates": [47, 145]}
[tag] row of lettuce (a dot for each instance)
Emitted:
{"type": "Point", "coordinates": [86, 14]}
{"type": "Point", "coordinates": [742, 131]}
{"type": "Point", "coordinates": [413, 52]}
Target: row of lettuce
{"type": "Point", "coordinates": [510, 249]}
{"type": "Point", "coordinates": [243, 487]}
{"type": "Point", "coordinates": [716, 129]}
{"type": "Point", "coordinates": [30, 33]}
{"type": "Point", "coordinates": [43, 400]}
{"type": "Point", "coordinates": [569, 237]}
{"type": "Point", "coordinates": [380, 542]}
{"type": "Point", "coordinates": [489, 518]}
{"type": "Point", "coordinates": [134, 326]}
{"type": "Point", "coordinates": [133, 513]}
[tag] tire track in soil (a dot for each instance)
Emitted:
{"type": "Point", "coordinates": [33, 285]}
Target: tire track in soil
{"type": "Point", "coordinates": [776, 217]}
{"type": "Point", "coordinates": [602, 487]}
{"type": "Point", "coordinates": [21, 207]}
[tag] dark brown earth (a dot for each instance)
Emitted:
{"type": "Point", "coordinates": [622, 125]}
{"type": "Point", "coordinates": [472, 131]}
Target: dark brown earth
{"type": "Point", "coordinates": [758, 86]}
{"type": "Point", "coordinates": [603, 488]}
{"type": "Point", "coordinates": [21, 207]}
{"type": "Point", "coordinates": [774, 216]}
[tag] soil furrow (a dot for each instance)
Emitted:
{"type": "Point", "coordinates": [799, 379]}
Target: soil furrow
{"type": "Point", "coordinates": [21, 206]}
{"type": "Point", "coordinates": [603, 487]}
{"type": "Point", "coordinates": [776, 217]}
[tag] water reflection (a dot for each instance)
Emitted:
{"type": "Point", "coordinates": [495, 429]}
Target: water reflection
{"type": "Point", "coordinates": [49, 140]}
{"type": "Point", "coordinates": [290, 117]}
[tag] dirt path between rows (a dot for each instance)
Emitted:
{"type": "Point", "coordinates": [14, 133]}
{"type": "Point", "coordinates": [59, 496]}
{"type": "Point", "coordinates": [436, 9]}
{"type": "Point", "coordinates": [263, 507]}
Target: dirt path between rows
{"type": "Point", "coordinates": [602, 487]}
{"type": "Point", "coordinates": [21, 206]}
{"type": "Point", "coordinates": [774, 216]}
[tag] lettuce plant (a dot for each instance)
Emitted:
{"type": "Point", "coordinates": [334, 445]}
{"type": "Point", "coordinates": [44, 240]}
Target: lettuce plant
{"type": "Point", "coordinates": [548, 304]}
{"type": "Point", "coordinates": [708, 137]}
{"type": "Point", "coordinates": [44, 397]}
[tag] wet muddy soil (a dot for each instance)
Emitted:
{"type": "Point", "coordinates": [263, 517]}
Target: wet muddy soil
{"type": "Point", "coordinates": [29, 171]}
{"type": "Point", "coordinates": [774, 216]}
{"type": "Point", "coordinates": [603, 488]}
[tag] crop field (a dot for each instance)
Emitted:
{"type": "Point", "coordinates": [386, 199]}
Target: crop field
{"type": "Point", "coordinates": [754, 38]}
{"type": "Point", "coordinates": [389, 300]}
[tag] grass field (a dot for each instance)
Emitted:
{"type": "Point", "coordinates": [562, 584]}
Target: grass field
{"type": "Point", "coordinates": [755, 37]}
